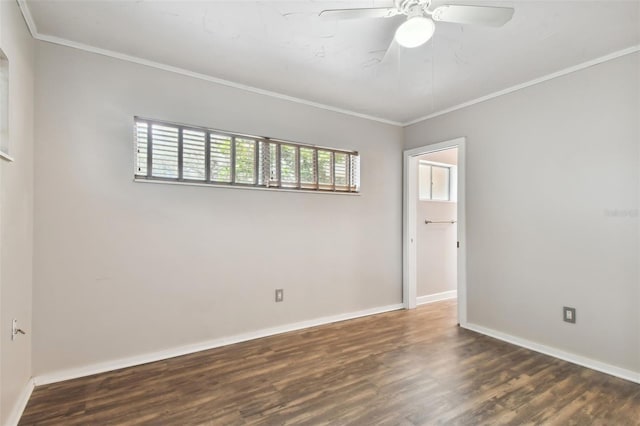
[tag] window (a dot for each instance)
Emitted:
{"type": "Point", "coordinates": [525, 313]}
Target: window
{"type": "Point", "coordinates": [172, 152]}
{"type": "Point", "coordinates": [435, 181]}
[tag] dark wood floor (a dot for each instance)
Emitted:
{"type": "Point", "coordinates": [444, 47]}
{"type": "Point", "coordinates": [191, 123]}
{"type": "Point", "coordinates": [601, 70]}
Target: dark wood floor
{"type": "Point", "coordinates": [399, 368]}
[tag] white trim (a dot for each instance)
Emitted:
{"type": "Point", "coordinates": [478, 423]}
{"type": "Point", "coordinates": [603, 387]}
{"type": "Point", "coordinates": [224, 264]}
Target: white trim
{"type": "Point", "coordinates": [409, 245]}
{"type": "Point", "coordinates": [409, 255]}
{"type": "Point", "coordinates": [254, 188]}
{"type": "Point", "coordinates": [28, 18]}
{"type": "Point", "coordinates": [26, 13]}
{"type": "Point", "coordinates": [435, 163]}
{"type": "Point", "coordinates": [88, 370]}
{"type": "Point", "coordinates": [569, 70]}
{"type": "Point", "coordinates": [440, 146]}
{"type": "Point", "coordinates": [208, 78]}
{"type": "Point", "coordinates": [21, 404]}
{"type": "Point", "coordinates": [612, 370]}
{"type": "Point", "coordinates": [141, 61]}
{"type": "Point", "coordinates": [6, 157]}
{"type": "Point", "coordinates": [436, 297]}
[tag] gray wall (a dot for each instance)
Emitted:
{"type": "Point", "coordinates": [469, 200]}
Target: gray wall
{"type": "Point", "coordinates": [16, 211]}
{"type": "Point", "coordinates": [125, 268]}
{"type": "Point", "coordinates": [552, 209]}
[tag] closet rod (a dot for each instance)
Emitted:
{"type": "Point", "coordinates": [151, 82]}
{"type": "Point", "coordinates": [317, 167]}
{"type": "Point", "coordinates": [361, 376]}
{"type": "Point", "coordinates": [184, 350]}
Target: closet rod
{"type": "Point", "coordinates": [439, 221]}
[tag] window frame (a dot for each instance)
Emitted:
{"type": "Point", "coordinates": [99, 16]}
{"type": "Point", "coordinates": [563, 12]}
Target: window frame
{"type": "Point", "coordinates": [450, 175]}
{"type": "Point", "coordinates": [352, 185]}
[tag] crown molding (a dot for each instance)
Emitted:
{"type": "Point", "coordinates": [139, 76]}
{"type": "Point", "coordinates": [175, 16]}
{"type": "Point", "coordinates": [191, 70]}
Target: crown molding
{"type": "Point", "coordinates": [28, 18]}
{"type": "Point", "coordinates": [24, 7]}
{"type": "Point", "coordinates": [569, 70]}
{"type": "Point", "coordinates": [26, 13]}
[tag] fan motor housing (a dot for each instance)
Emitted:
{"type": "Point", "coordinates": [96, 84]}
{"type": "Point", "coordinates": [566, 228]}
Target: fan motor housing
{"type": "Point", "coordinates": [412, 7]}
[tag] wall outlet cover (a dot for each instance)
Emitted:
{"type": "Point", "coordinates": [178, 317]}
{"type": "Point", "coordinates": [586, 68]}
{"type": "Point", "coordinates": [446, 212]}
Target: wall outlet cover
{"type": "Point", "coordinates": [569, 314]}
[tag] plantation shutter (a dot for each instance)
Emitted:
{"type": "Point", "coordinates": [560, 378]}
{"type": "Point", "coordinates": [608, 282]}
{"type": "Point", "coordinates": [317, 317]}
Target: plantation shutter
{"type": "Point", "coordinates": [341, 172]}
{"type": "Point", "coordinates": [325, 169]}
{"type": "Point", "coordinates": [308, 175]}
{"type": "Point", "coordinates": [274, 165]}
{"type": "Point", "coordinates": [164, 155]}
{"type": "Point", "coordinates": [220, 161]}
{"type": "Point", "coordinates": [354, 179]}
{"type": "Point", "coordinates": [263, 163]}
{"type": "Point", "coordinates": [288, 166]}
{"type": "Point", "coordinates": [246, 164]}
{"type": "Point", "coordinates": [141, 138]}
{"type": "Point", "coordinates": [166, 151]}
{"type": "Point", "coordinates": [193, 154]}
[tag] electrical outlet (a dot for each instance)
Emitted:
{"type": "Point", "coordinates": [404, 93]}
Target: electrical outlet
{"type": "Point", "coordinates": [279, 295]}
{"type": "Point", "coordinates": [569, 314]}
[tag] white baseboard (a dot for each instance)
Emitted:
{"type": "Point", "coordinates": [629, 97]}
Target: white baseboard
{"type": "Point", "coordinates": [21, 404]}
{"type": "Point", "coordinates": [74, 373]}
{"type": "Point", "coordinates": [421, 300]}
{"type": "Point", "coordinates": [612, 370]}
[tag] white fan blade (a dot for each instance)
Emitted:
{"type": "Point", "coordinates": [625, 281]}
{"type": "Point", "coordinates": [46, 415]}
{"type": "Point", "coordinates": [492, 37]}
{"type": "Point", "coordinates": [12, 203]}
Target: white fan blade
{"type": "Point", "coordinates": [475, 15]}
{"type": "Point", "coordinates": [370, 12]}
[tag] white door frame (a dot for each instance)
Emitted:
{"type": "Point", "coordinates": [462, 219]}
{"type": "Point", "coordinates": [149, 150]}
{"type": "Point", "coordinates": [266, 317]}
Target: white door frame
{"type": "Point", "coordinates": [409, 253]}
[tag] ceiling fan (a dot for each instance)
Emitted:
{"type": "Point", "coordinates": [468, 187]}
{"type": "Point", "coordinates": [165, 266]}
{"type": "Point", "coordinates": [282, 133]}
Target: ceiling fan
{"type": "Point", "coordinates": [419, 26]}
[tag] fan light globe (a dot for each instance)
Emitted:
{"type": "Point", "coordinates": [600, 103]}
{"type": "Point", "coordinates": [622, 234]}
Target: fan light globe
{"type": "Point", "coordinates": [415, 31]}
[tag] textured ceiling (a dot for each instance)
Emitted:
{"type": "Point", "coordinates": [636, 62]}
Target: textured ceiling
{"type": "Point", "coordinates": [284, 47]}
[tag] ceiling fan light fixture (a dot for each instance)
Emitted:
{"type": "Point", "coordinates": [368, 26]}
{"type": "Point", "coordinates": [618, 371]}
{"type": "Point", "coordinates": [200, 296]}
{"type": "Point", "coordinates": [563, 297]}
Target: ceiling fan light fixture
{"type": "Point", "coordinates": [415, 31]}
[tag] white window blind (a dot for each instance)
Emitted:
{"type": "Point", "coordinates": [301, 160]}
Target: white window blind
{"type": "Point", "coordinates": [164, 153]}
{"type": "Point", "coordinates": [308, 174]}
{"type": "Point", "coordinates": [288, 166]}
{"type": "Point", "coordinates": [221, 154]}
{"type": "Point", "coordinates": [193, 154]}
{"type": "Point", "coordinates": [141, 149]}
{"type": "Point", "coordinates": [245, 161]}
{"type": "Point", "coordinates": [173, 152]}
{"type": "Point", "coordinates": [325, 169]}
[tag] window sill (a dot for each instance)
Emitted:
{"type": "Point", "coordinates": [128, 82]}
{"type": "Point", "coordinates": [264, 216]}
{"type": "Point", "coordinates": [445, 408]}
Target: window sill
{"type": "Point", "coordinates": [253, 188]}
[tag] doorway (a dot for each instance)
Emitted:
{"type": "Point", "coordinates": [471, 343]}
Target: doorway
{"type": "Point", "coordinates": [429, 174]}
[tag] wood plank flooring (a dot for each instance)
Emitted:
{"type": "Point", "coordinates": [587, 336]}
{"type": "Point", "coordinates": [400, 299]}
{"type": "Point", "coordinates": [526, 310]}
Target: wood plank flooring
{"type": "Point", "coordinates": [398, 368]}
